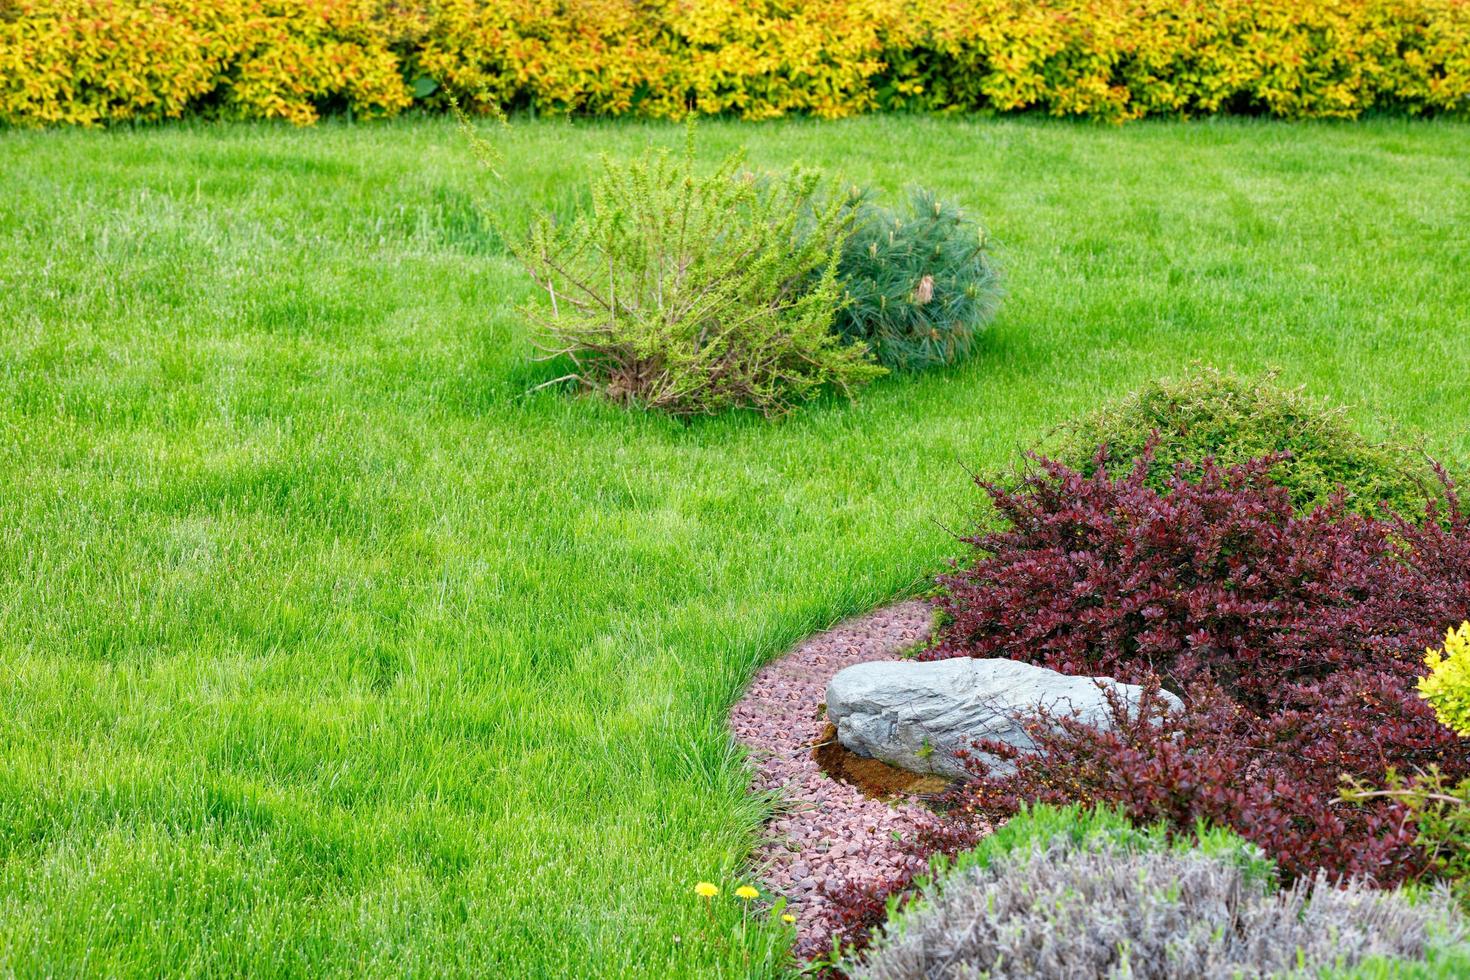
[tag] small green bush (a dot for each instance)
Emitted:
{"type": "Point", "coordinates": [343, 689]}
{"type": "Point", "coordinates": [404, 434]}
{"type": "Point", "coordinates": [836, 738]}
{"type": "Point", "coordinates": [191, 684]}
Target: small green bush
{"type": "Point", "coordinates": [918, 286]}
{"type": "Point", "coordinates": [1439, 809]}
{"type": "Point", "coordinates": [692, 293]}
{"type": "Point", "coordinates": [1235, 419]}
{"type": "Point", "coordinates": [1043, 823]}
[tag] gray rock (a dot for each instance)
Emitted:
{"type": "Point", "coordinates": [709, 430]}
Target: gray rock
{"type": "Point", "coordinates": [916, 715]}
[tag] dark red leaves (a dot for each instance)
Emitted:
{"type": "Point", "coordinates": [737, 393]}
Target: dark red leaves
{"type": "Point", "coordinates": [1295, 641]}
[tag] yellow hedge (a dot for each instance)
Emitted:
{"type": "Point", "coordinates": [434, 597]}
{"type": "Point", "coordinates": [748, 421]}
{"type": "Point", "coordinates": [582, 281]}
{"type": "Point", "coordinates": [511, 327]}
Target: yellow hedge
{"type": "Point", "coordinates": [91, 61]}
{"type": "Point", "coordinates": [99, 61]}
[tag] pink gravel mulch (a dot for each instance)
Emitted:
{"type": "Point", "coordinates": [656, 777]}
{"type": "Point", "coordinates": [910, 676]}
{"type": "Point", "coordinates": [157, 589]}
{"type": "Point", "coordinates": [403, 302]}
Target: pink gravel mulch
{"type": "Point", "coordinates": [827, 831]}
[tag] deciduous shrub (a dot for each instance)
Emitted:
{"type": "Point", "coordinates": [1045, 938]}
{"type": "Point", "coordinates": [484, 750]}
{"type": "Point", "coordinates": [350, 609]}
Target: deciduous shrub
{"type": "Point", "coordinates": [691, 293]}
{"type": "Point", "coordinates": [98, 61]}
{"type": "Point", "coordinates": [1097, 907]}
{"type": "Point", "coordinates": [1290, 638]}
{"type": "Point", "coordinates": [859, 908]}
{"type": "Point", "coordinates": [1275, 779]}
{"type": "Point", "coordinates": [919, 285]}
{"type": "Point", "coordinates": [1440, 811]}
{"type": "Point", "coordinates": [1120, 60]}
{"type": "Point", "coordinates": [93, 61]}
{"type": "Point", "coordinates": [1211, 413]}
{"type": "Point", "coordinates": [754, 60]}
{"type": "Point", "coordinates": [1447, 687]}
{"type": "Point", "coordinates": [1215, 576]}
{"type": "Point", "coordinates": [1439, 808]}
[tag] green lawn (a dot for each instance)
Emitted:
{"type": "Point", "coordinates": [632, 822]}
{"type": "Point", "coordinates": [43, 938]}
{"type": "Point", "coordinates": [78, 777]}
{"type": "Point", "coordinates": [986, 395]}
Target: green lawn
{"type": "Point", "coordinates": [327, 649]}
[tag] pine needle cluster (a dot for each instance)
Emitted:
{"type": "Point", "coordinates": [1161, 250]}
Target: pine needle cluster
{"type": "Point", "coordinates": [919, 285]}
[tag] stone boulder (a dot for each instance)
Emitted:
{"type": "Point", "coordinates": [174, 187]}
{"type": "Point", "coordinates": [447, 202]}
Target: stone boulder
{"type": "Point", "coordinates": [915, 715]}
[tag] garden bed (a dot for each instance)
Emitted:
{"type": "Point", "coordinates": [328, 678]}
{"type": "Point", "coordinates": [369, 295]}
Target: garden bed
{"type": "Point", "coordinates": [827, 829]}
{"type": "Point", "coordinates": [1269, 584]}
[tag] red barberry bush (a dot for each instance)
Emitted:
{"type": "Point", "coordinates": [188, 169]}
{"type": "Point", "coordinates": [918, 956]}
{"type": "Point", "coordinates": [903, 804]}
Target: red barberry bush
{"type": "Point", "coordinates": [861, 907]}
{"type": "Point", "coordinates": [1294, 639]}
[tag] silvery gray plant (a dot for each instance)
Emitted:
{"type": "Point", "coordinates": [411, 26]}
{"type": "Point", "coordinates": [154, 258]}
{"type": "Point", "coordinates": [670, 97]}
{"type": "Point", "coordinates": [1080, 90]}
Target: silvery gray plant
{"type": "Point", "coordinates": [1097, 909]}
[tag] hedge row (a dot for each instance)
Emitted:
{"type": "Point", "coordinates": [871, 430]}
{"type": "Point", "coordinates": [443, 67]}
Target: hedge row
{"type": "Point", "coordinates": [99, 61]}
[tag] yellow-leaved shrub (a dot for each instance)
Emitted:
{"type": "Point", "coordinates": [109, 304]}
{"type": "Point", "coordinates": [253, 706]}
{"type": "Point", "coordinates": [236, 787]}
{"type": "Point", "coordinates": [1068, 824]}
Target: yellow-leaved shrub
{"type": "Point", "coordinates": [1447, 686]}
{"type": "Point", "coordinates": [97, 61]}
{"type": "Point", "coordinates": [1124, 59]}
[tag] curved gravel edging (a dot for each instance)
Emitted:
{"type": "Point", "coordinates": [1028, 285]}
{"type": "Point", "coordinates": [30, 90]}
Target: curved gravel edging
{"type": "Point", "coordinates": [826, 830]}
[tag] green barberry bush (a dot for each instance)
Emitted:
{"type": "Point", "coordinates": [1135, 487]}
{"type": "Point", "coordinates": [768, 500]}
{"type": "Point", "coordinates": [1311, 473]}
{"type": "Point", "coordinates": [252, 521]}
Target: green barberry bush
{"type": "Point", "coordinates": [1235, 419]}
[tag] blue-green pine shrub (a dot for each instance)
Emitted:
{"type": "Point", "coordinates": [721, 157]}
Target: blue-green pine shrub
{"type": "Point", "coordinates": [919, 284]}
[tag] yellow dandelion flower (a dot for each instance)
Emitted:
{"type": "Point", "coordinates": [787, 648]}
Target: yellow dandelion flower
{"type": "Point", "coordinates": [706, 890]}
{"type": "Point", "coordinates": [788, 918]}
{"type": "Point", "coordinates": [747, 893]}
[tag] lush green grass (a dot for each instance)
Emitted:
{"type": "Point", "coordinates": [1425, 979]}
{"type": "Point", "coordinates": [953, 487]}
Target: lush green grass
{"type": "Point", "coordinates": [325, 648]}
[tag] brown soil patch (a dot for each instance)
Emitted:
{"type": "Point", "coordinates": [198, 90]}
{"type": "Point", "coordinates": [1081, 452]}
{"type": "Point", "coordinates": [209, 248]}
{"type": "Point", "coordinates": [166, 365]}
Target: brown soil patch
{"type": "Point", "coordinates": [873, 778]}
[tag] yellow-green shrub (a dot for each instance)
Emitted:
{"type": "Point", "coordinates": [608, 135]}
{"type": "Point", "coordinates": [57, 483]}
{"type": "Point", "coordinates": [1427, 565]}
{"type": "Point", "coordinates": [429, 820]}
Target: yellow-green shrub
{"type": "Point", "coordinates": [1447, 687]}
{"type": "Point", "coordinates": [96, 61]}
{"type": "Point", "coordinates": [753, 59]}
{"type": "Point", "coordinates": [1122, 59]}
